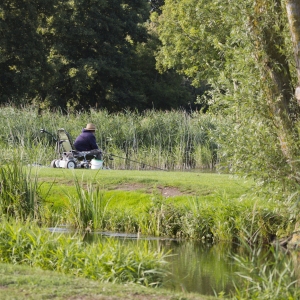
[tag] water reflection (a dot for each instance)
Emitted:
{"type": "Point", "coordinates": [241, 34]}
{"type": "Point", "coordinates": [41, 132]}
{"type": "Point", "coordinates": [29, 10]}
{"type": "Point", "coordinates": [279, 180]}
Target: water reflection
{"type": "Point", "coordinates": [201, 268]}
{"type": "Point", "coordinates": [193, 266]}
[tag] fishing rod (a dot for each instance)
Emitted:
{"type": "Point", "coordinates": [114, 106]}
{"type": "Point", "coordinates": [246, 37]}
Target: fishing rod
{"type": "Point", "coordinates": [141, 163]}
{"type": "Point", "coordinates": [45, 131]}
{"type": "Point", "coordinates": [58, 143]}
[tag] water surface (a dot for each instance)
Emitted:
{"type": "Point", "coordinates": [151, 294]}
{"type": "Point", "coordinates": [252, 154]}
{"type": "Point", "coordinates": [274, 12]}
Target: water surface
{"type": "Point", "coordinates": [193, 266]}
{"type": "Point", "coordinates": [207, 269]}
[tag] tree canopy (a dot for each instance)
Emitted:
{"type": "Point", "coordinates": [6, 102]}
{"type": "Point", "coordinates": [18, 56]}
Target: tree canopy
{"type": "Point", "coordinates": [82, 54]}
{"type": "Point", "coordinates": [23, 53]}
{"type": "Point", "coordinates": [244, 51]}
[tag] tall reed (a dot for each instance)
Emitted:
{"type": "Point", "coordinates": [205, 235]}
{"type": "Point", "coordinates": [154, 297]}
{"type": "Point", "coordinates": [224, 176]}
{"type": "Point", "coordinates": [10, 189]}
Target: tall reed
{"type": "Point", "coordinates": [87, 208]}
{"type": "Point", "coordinates": [19, 191]}
{"type": "Point", "coordinates": [169, 140]}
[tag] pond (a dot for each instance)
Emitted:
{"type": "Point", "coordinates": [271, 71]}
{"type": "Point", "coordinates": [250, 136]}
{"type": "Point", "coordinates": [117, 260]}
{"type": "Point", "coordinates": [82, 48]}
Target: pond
{"type": "Point", "coordinates": [195, 267]}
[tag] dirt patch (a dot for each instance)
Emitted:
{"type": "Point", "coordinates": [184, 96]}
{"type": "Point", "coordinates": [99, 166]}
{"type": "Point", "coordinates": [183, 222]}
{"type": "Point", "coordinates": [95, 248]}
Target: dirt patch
{"type": "Point", "coordinates": [135, 296]}
{"type": "Point", "coordinates": [131, 187]}
{"type": "Point", "coordinates": [165, 191]}
{"type": "Point", "coordinates": [170, 191]}
{"type": "Point", "coordinates": [129, 296]}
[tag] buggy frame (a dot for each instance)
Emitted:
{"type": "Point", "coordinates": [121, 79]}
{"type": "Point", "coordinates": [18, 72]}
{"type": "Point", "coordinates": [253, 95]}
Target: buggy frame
{"type": "Point", "coordinates": [68, 157]}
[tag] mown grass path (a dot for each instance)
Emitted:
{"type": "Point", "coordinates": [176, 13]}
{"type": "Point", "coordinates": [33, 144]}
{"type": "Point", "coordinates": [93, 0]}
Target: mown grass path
{"type": "Point", "coordinates": [179, 185]}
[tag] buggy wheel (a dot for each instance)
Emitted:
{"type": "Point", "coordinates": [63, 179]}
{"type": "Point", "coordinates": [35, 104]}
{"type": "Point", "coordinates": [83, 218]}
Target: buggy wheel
{"type": "Point", "coordinates": [70, 164]}
{"type": "Point", "coordinates": [53, 163]}
{"type": "Point", "coordinates": [84, 165]}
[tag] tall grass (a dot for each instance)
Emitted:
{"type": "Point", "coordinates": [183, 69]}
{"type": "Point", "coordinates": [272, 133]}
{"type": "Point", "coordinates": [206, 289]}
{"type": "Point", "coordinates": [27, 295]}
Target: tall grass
{"type": "Point", "coordinates": [87, 208]}
{"type": "Point", "coordinates": [266, 276]}
{"type": "Point", "coordinates": [19, 196]}
{"type": "Point", "coordinates": [25, 243]}
{"type": "Point", "coordinates": [168, 140]}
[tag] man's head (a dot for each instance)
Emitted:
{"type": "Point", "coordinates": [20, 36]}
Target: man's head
{"type": "Point", "coordinates": [90, 127]}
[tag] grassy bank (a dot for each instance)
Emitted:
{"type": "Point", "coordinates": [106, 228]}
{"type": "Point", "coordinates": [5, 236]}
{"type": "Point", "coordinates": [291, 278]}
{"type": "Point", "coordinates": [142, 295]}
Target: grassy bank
{"type": "Point", "coordinates": [23, 282]}
{"type": "Point", "coordinates": [185, 205]}
{"type": "Point", "coordinates": [175, 204]}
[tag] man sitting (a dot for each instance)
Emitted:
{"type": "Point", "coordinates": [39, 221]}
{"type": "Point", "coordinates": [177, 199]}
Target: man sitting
{"type": "Point", "coordinates": [86, 141]}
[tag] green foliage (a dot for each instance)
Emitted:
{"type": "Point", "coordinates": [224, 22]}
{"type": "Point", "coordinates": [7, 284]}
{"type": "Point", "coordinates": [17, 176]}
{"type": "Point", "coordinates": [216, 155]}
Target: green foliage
{"type": "Point", "coordinates": [19, 192]}
{"type": "Point", "coordinates": [91, 50]}
{"type": "Point", "coordinates": [81, 54]}
{"type": "Point", "coordinates": [25, 71]}
{"type": "Point", "coordinates": [27, 244]}
{"type": "Point", "coordinates": [243, 50]}
{"type": "Point", "coordinates": [159, 91]}
{"type": "Point", "coordinates": [192, 34]}
{"type": "Point", "coordinates": [269, 276]}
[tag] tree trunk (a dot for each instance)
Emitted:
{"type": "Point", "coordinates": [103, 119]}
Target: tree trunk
{"type": "Point", "coordinates": [274, 72]}
{"type": "Point", "coordinates": [293, 13]}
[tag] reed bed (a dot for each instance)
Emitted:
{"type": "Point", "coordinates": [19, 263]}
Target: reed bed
{"type": "Point", "coordinates": [26, 243]}
{"type": "Point", "coordinates": [168, 140]}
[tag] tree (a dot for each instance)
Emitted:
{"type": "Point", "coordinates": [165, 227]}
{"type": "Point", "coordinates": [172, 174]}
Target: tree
{"type": "Point", "coordinates": [78, 54]}
{"type": "Point", "coordinates": [293, 14]}
{"type": "Point", "coordinates": [242, 49]}
{"type": "Point", "coordinates": [192, 34]}
{"type": "Point", "coordinates": [23, 53]}
{"type": "Point", "coordinates": [92, 48]}
{"type": "Point", "coordinates": [161, 91]}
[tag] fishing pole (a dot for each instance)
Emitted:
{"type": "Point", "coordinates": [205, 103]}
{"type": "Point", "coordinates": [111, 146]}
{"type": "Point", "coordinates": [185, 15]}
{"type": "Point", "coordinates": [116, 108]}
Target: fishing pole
{"type": "Point", "coordinates": [45, 131]}
{"type": "Point", "coordinates": [141, 163]}
{"type": "Point", "coordinates": [58, 143]}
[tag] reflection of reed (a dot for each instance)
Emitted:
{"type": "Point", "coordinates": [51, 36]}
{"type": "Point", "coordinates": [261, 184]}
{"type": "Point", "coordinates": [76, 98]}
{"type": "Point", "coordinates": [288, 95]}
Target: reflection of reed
{"type": "Point", "coordinates": [212, 269]}
{"type": "Point", "coordinates": [200, 268]}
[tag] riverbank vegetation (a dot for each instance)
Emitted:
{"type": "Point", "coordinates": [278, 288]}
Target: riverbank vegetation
{"type": "Point", "coordinates": [126, 198]}
{"type": "Point", "coordinates": [26, 243]}
{"type": "Point", "coordinates": [184, 205]}
{"type": "Point", "coordinates": [227, 76]}
{"type": "Point", "coordinates": [130, 197]}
